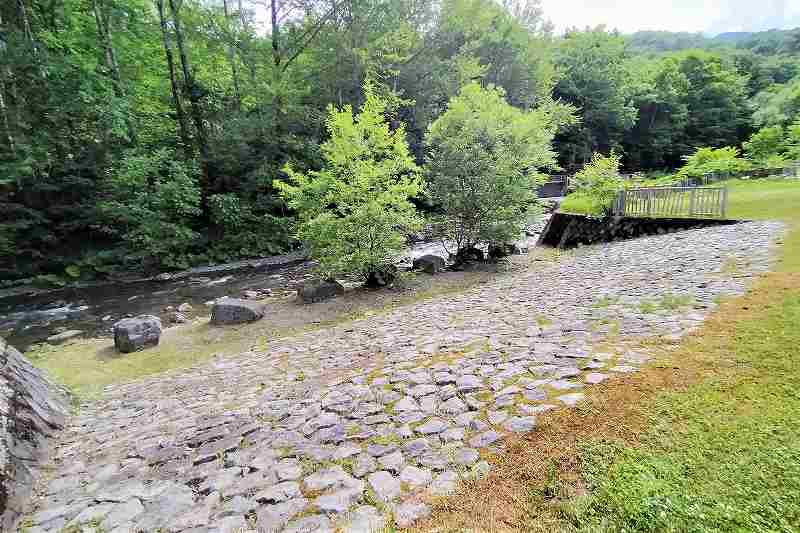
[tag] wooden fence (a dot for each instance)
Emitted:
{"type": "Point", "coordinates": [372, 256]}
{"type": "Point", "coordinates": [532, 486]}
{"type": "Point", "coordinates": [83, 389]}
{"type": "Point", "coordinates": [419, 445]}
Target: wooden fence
{"type": "Point", "coordinates": [699, 202]}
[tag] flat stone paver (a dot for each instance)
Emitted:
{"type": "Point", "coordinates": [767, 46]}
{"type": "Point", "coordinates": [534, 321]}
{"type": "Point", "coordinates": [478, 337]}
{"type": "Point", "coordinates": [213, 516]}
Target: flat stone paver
{"type": "Point", "coordinates": [389, 405]}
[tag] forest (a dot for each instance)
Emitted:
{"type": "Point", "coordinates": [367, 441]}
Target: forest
{"type": "Point", "coordinates": [148, 135]}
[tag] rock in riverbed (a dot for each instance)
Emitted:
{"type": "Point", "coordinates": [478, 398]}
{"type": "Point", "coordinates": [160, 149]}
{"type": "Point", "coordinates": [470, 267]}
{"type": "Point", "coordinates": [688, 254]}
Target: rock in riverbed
{"type": "Point", "coordinates": [132, 334]}
{"type": "Point", "coordinates": [317, 291]}
{"type": "Point", "coordinates": [431, 264]}
{"type": "Point", "coordinates": [64, 336]}
{"type": "Point", "coordinates": [235, 311]}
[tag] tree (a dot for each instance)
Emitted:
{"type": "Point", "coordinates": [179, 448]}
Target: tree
{"type": "Point", "coordinates": [707, 159]}
{"type": "Point", "coordinates": [594, 79]}
{"type": "Point", "coordinates": [779, 105]}
{"type": "Point", "coordinates": [660, 92]}
{"type": "Point", "coordinates": [482, 161]}
{"type": "Point", "coordinates": [598, 182]}
{"type": "Point", "coordinates": [150, 203]}
{"type": "Point", "coordinates": [765, 144]}
{"type": "Point", "coordinates": [354, 214]}
{"type": "Point", "coordinates": [716, 102]}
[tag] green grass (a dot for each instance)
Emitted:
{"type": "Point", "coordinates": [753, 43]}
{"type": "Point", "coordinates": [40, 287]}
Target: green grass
{"type": "Point", "coordinates": [770, 199]}
{"type": "Point", "coordinates": [721, 456]}
{"type": "Point", "coordinates": [580, 204]}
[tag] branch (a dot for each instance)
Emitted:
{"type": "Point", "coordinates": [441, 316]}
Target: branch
{"type": "Point", "coordinates": [314, 33]}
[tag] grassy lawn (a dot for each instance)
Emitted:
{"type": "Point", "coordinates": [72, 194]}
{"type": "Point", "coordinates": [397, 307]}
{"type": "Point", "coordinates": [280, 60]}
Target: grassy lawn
{"type": "Point", "coordinates": [704, 439]}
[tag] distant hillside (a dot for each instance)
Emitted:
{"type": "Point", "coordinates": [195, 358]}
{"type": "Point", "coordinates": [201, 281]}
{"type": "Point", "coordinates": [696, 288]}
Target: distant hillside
{"type": "Point", "coordinates": [762, 42]}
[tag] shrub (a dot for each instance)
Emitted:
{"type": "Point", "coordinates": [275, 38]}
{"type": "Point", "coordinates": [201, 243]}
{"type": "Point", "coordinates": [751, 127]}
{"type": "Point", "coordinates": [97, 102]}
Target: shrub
{"type": "Point", "coordinates": [355, 212]}
{"type": "Point", "coordinates": [151, 199]}
{"type": "Point", "coordinates": [793, 142]}
{"type": "Point", "coordinates": [245, 228]}
{"type": "Point", "coordinates": [706, 160]}
{"type": "Point", "coordinates": [598, 183]}
{"type": "Point", "coordinates": [481, 163]}
{"type": "Point", "coordinates": [766, 144]}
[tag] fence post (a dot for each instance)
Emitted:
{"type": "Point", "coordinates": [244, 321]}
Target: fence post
{"type": "Point", "coordinates": [724, 201]}
{"type": "Point", "coordinates": [691, 201]}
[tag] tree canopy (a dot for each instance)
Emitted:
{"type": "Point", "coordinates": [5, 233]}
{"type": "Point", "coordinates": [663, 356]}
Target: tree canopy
{"type": "Point", "coordinates": [149, 134]}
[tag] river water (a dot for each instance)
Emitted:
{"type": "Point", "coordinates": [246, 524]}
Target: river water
{"type": "Point", "coordinates": [31, 317]}
{"type": "Point", "coordinates": [27, 318]}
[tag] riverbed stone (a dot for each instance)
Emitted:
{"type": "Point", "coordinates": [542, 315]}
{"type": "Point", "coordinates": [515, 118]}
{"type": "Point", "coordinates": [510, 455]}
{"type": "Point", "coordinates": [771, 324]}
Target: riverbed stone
{"type": "Point", "coordinates": [317, 291]}
{"type": "Point", "coordinates": [407, 513]}
{"type": "Point", "coordinates": [520, 424]}
{"type": "Point", "coordinates": [430, 264]}
{"type": "Point", "coordinates": [363, 519]}
{"type": "Point", "coordinates": [571, 399]}
{"type": "Point", "coordinates": [384, 485]}
{"type": "Point", "coordinates": [235, 311]}
{"type": "Point", "coordinates": [484, 439]}
{"type": "Point", "coordinates": [138, 333]}
{"type": "Point", "coordinates": [316, 523]}
{"type": "Point", "coordinates": [593, 378]}
{"type": "Point", "coordinates": [358, 391]}
{"type": "Point", "coordinates": [65, 336]}
{"type": "Point", "coordinates": [274, 517]}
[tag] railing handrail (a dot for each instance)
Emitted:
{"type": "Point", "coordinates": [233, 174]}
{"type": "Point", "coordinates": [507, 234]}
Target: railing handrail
{"type": "Point", "coordinates": [671, 202]}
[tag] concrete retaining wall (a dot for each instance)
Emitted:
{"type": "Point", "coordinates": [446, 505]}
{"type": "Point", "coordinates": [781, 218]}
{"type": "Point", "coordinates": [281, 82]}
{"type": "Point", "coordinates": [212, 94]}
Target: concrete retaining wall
{"type": "Point", "coordinates": [565, 230]}
{"type": "Point", "coordinates": [32, 410]}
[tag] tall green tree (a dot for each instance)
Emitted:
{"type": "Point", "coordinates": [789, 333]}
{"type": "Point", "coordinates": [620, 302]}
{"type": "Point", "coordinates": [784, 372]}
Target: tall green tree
{"type": "Point", "coordinates": [355, 212]}
{"type": "Point", "coordinates": [593, 78]}
{"type": "Point", "coordinates": [483, 164]}
{"type": "Point", "coordinates": [716, 102]}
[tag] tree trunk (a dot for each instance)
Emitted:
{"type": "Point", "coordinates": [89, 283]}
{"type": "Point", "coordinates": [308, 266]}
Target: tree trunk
{"type": "Point", "coordinates": [4, 108]}
{"type": "Point", "coordinates": [26, 25]}
{"type": "Point", "coordinates": [194, 93]}
{"type": "Point", "coordinates": [245, 53]}
{"type": "Point", "coordinates": [232, 58]}
{"type": "Point", "coordinates": [176, 97]}
{"type": "Point", "coordinates": [103, 21]}
{"type": "Point", "coordinates": [190, 87]}
{"type": "Point", "coordinates": [276, 53]}
{"type": "Point", "coordinates": [6, 122]}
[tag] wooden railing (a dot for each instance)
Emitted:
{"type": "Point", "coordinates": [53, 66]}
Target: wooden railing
{"type": "Point", "coordinates": [699, 202]}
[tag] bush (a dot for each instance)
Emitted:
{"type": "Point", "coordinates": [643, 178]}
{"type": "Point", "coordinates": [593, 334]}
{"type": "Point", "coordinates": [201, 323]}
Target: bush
{"type": "Point", "coordinates": [354, 214]}
{"type": "Point", "coordinates": [706, 160]}
{"type": "Point", "coordinates": [150, 202]}
{"type": "Point", "coordinates": [245, 229]}
{"type": "Point", "coordinates": [598, 183]}
{"type": "Point", "coordinates": [481, 164]}
{"type": "Point", "coordinates": [793, 142]}
{"type": "Point", "coordinates": [766, 144]}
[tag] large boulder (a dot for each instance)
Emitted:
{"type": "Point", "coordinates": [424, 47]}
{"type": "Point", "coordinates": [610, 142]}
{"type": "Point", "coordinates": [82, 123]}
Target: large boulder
{"type": "Point", "coordinates": [382, 277]}
{"type": "Point", "coordinates": [137, 333]}
{"type": "Point", "coordinates": [316, 291]}
{"type": "Point", "coordinates": [498, 251]}
{"type": "Point", "coordinates": [469, 255]}
{"type": "Point", "coordinates": [32, 412]}
{"type": "Point", "coordinates": [431, 264]}
{"type": "Point", "coordinates": [235, 311]}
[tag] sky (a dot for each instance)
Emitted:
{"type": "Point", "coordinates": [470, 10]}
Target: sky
{"type": "Point", "coordinates": [708, 16]}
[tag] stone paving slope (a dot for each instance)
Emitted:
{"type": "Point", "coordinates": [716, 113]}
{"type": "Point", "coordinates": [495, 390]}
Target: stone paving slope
{"type": "Point", "coordinates": [344, 427]}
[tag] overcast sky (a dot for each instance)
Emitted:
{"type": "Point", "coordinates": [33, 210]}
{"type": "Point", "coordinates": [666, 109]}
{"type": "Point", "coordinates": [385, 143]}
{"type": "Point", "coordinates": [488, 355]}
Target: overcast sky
{"type": "Point", "coordinates": [710, 16]}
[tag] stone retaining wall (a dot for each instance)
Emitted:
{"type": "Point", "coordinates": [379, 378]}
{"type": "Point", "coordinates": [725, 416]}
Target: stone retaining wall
{"type": "Point", "coordinates": [32, 410]}
{"type": "Point", "coordinates": [566, 230]}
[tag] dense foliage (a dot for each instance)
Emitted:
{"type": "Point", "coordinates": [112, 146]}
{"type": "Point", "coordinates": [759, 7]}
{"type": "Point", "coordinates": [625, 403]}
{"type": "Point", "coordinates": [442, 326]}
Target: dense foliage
{"type": "Point", "coordinates": [354, 214]}
{"type": "Point", "coordinates": [148, 134]}
{"type": "Point", "coordinates": [482, 165]}
{"type": "Point", "coordinates": [597, 183]}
